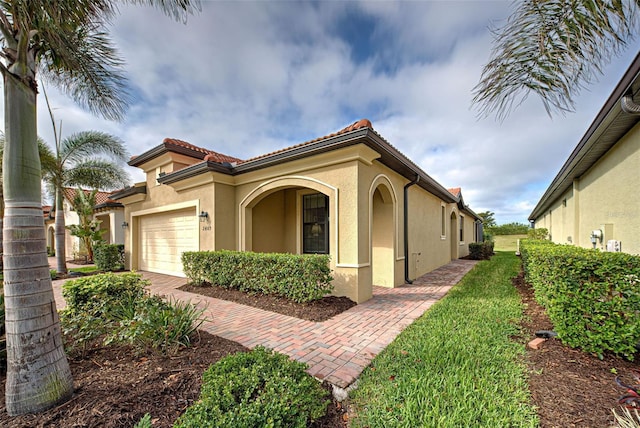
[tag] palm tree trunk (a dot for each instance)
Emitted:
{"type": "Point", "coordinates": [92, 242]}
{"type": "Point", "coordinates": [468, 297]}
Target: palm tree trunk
{"type": "Point", "coordinates": [38, 375]}
{"type": "Point", "coordinates": [61, 247]}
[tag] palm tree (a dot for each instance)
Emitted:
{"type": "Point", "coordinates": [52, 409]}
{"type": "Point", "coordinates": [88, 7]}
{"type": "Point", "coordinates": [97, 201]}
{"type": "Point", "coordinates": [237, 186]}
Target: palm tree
{"type": "Point", "coordinates": [553, 48]}
{"type": "Point", "coordinates": [88, 229]}
{"type": "Point", "coordinates": [65, 42]}
{"type": "Point", "coordinates": [78, 163]}
{"type": "Point", "coordinates": [47, 161]}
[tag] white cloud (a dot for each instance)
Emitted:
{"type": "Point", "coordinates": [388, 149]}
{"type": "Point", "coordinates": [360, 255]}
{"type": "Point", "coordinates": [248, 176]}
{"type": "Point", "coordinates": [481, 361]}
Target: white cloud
{"type": "Point", "coordinates": [246, 78]}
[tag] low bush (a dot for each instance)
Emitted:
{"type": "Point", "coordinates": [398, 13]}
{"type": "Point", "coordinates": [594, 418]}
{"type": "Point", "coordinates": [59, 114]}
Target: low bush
{"type": "Point", "coordinates": [591, 297]}
{"type": "Point", "coordinates": [260, 388]}
{"type": "Point", "coordinates": [301, 278]}
{"type": "Point", "coordinates": [118, 309]}
{"type": "Point", "coordinates": [101, 293]}
{"type": "Point", "coordinates": [481, 250]}
{"type": "Point", "coordinates": [152, 323]}
{"type": "Point", "coordinates": [538, 233]}
{"type": "Point", "coordinates": [109, 257]}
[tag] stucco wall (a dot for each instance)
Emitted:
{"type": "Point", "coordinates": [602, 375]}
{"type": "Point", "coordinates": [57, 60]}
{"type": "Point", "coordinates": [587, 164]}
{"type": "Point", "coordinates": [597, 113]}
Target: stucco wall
{"type": "Point", "coordinates": [427, 249]}
{"type": "Point", "coordinates": [605, 198]}
{"type": "Point", "coordinates": [261, 211]}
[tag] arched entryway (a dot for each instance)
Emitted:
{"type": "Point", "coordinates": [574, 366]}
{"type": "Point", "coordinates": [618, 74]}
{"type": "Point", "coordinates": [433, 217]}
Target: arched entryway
{"type": "Point", "coordinates": [382, 237]}
{"type": "Point", "coordinates": [289, 215]}
{"type": "Point", "coordinates": [454, 233]}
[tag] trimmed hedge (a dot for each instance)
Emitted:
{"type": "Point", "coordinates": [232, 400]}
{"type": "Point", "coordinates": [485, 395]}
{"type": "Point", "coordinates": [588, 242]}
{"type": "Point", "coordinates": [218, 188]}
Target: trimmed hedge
{"type": "Point", "coordinates": [259, 388]}
{"type": "Point", "coordinates": [481, 250]}
{"type": "Point", "coordinates": [301, 278]}
{"type": "Point", "coordinates": [104, 292]}
{"type": "Point", "coordinates": [109, 257]}
{"type": "Point", "coordinates": [592, 297]}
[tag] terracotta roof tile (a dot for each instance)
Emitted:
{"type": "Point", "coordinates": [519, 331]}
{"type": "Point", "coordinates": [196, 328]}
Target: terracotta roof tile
{"type": "Point", "coordinates": [212, 156]}
{"type": "Point", "coordinates": [455, 191]}
{"type": "Point", "coordinates": [362, 123]}
{"type": "Point", "coordinates": [209, 155]}
{"type": "Point", "coordinates": [101, 197]}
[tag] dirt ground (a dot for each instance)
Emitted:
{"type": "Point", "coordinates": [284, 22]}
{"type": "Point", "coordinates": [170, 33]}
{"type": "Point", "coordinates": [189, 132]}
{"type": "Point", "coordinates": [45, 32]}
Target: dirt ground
{"type": "Point", "coordinates": [570, 388]}
{"type": "Point", "coordinates": [319, 310]}
{"type": "Point", "coordinates": [115, 388]}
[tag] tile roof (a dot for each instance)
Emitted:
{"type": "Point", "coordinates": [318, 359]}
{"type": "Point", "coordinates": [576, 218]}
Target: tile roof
{"type": "Point", "coordinates": [209, 155]}
{"type": "Point", "coordinates": [362, 123]}
{"type": "Point", "coordinates": [455, 191]}
{"type": "Point", "coordinates": [101, 197]}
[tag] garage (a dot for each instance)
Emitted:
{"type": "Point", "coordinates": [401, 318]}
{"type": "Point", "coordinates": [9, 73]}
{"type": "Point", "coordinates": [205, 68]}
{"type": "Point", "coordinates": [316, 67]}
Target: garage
{"type": "Point", "coordinates": [164, 237]}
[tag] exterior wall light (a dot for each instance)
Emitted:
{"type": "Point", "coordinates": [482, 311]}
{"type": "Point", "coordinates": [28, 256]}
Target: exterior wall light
{"type": "Point", "coordinates": [125, 224]}
{"type": "Point", "coordinates": [204, 216]}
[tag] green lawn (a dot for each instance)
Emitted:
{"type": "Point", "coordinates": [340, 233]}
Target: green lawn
{"type": "Point", "coordinates": [506, 242]}
{"type": "Point", "coordinates": [457, 365]}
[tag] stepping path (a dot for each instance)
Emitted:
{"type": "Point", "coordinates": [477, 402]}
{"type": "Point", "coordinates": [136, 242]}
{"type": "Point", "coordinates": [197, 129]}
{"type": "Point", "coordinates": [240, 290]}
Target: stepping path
{"type": "Point", "coordinates": [336, 350]}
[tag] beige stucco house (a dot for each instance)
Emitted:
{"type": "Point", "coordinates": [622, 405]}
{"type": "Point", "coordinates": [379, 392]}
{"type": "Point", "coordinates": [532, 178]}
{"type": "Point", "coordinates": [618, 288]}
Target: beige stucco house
{"type": "Point", "coordinates": [109, 212]}
{"type": "Point", "coordinates": [594, 199]}
{"type": "Point", "coordinates": [350, 194]}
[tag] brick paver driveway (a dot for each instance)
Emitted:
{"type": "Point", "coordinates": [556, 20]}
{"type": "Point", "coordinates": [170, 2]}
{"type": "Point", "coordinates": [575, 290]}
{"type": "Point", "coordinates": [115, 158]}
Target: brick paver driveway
{"type": "Point", "coordinates": [336, 350]}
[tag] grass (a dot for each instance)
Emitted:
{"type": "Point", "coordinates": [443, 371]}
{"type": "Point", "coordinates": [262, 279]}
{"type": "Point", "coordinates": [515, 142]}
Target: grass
{"type": "Point", "coordinates": [457, 365]}
{"type": "Point", "coordinates": [84, 269]}
{"type": "Point", "coordinates": [507, 242]}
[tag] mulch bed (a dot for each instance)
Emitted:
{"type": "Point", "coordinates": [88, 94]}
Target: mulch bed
{"type": "Point", "coordinates": [319, 310]}
{"type": "Point", "coordinates": [570, 388]}
{"type": "Point", "coordinates": [115, 388]}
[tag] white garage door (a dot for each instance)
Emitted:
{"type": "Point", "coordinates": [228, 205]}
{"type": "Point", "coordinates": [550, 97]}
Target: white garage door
{"type": "Point", "coordinates": [163, 238]}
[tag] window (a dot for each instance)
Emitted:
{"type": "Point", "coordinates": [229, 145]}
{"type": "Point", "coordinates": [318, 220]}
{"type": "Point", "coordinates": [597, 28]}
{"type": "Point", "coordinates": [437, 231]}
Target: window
{"type": "Point", "coordinates": [443, 221]}
{"type": "Point", "coordinates": [461, 229]}
{"type": "Point", "coordinates": [315, 224]}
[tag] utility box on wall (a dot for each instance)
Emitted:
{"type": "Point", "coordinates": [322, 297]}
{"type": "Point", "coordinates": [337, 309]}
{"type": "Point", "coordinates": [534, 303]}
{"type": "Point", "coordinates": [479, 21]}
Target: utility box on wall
{"type": "Point", "coordinates": [614, 246]}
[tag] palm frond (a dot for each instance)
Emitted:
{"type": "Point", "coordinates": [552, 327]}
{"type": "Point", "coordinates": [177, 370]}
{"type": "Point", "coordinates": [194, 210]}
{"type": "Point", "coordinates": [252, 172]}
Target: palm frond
{"type": "Point", "coordinates": [47, 158]}
{"type": "Point", "coordinates": [553, 49]}
{"type": "Point", "coordinates": [97, 174]}
{"type": "Point", "coordinates": [176, 9]}
{"type": "Point", "coordinates": [87, 67]}
{"type": "Point", "coordinates": [80, 146]}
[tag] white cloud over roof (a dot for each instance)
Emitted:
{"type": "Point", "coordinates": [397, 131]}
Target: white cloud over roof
{"type": "Point", "coordinates": [248, 78]}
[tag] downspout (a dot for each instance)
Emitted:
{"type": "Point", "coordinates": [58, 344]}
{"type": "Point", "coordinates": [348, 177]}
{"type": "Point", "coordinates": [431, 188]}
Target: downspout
{"type": "Point", "coordinates": [406, 229]}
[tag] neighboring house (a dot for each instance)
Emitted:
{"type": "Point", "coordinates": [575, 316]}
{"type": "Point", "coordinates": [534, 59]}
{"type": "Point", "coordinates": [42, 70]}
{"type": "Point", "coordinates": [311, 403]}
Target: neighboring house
{"type": "Point", "coordinates": [351, 195]}
{"type": "Point", "coordinates": [108, 211]}
{"type": "Point", "coordinates": [594, 198]}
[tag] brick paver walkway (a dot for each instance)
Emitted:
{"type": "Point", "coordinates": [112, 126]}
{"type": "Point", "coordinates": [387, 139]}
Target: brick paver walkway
{"type": "Point", "coordinates": [336, 350]}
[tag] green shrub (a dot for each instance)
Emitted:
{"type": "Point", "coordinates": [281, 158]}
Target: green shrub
{"type": "Point", "coordinates": [256, 389]}
{"type": "Point", "coordinates": [103, 292]}
{"type": "Point", "coordinates": [92, 305]}
{"type": "Point", "coordinates": [538, 233]}
{"type": "Point", "coordinates": [481, 250]}
{"type": "Point", "coordinates": [301, 278]}
{"type": "Point", "coordinates": [145, 422]}
{"type": "Point", "coordinates": [118, 309]}
{"type": "Point", "coordinates": [109, 257]}
{"type": "Point", "coordinates": [591, 297]}
{"type": "Point", "coordinates": [152, 323]}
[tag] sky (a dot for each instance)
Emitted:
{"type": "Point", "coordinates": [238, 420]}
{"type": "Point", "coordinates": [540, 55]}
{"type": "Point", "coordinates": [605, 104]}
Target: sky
{"type": "Point", "coordinates": [251, 77]}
